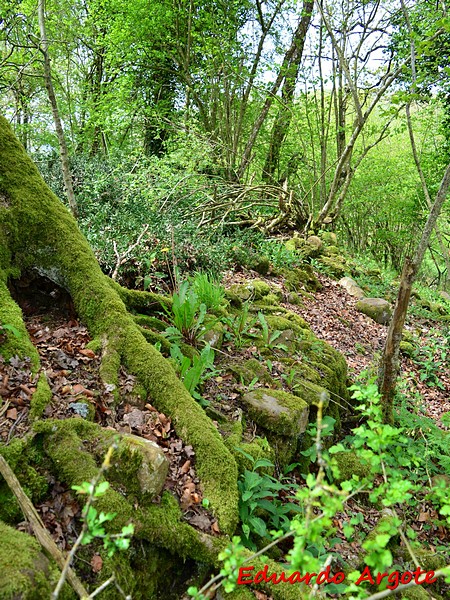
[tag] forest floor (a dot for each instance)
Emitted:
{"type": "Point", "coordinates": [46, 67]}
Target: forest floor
{"type": "Point", "coordinates": [73, 373]}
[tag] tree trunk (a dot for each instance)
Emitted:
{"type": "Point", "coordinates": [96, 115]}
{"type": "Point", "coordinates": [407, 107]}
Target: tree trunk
{"type": "Point", "coordinates": [37, 232]}
{"type": "Point", "coordinates": [389, 365]}
{"type": "Point", "coordinates": [64, 155]}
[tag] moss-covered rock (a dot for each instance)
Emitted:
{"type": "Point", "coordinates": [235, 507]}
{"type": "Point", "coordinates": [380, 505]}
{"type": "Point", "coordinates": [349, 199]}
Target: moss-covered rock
{"type": "Point", "coordinates": [296, 299]}
{"type": "Point", "coordinates": [351, 287]}
{"type": "Point", "coordinates": [277, 411]}
{"type": "Point", "coordinates": [407, 348]}
{"type": "Point", "coordinates": [245, 372]}
{"type": "Point", "coordinates": [260, 264]}
{"type": "Point", "coordinates": [428, 560]}
{"type": "Point", "coordinates": [349, 464]}
{"type": "Point", "coordinates": [152, 464]}
{"type": "Point", "coordinates": [331, 251]}
{"type": "Point", "coordinates": [297, 279]}
{"type": "Point", "coordinates": [315, 245]}
{"type": "Point", "coordinates": [328, 237]}
{"type": "Point", "coordinates": [335, 265]}
{"type": "Point", "coordinates": [377, 309]}
{"type": "Point", "coordinates": [417, 592]}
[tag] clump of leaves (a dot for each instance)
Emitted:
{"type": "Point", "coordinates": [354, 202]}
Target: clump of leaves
{"type": "Point", "coordinates": [240, 326]}
{"type": "Point", "coordinates": [209, 291]}
{"type": "Point", "coordinates": [194, 372]}
{"type": "Point", "coordinates": [187, 315]}
{"type": "Point", "coordinates": [270, 338]}
{"type": "Point", "coordinates": [260, 507]}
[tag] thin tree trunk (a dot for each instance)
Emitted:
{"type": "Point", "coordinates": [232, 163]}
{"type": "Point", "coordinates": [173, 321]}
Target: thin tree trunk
{"type": "Point", "coordinates": [67, 175]}
{"type": "Point", "coordinates": [389, 365]}
{"type": "Point", "coordinates": [288, 60]}
{"type": "Point", "coordinates": [283, 119]}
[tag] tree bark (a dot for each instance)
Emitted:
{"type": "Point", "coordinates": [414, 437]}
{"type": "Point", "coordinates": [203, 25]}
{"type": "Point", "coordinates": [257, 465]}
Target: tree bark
{"type": "Point", "coordinates": [64, 155]}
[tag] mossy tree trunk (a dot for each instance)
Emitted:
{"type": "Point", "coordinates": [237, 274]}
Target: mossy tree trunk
{"type": "Point", "coordinates": [38, 232]}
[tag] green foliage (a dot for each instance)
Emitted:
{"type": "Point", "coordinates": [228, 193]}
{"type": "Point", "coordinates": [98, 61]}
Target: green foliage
{"type": "Point", "coordinates": [260, 507]}
{"type": "Point", "coordinates": [94, 521]}
{"type": "Point", "coordinates": [240, 326]}
{"type": "Point", "coordinates": [4, 327]}
{"type": "Point", "coordinates": [269, 338]}
{"type": "Point", "coordinates": [187, 315]}
{"type": "Point", "coordinates": [209, 291]}
{"type": "Point", "coordinates": [194, 372]}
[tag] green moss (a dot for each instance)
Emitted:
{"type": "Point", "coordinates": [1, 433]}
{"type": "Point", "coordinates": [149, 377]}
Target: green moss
{"type": "Point", "coordinates": [285, 423]}
{"type": "Point", "coordinates": [260, 264]}
{"type": "Point", "coordinates": [407, 348]}
{"type": "Point", "coordinates": [335, 265]}
{"type": "Point", "coordinates": [22, 456]}
{"type": "Point", "coordinates": [246, 371]}
{"type": "Point", "coordinates": [328, 237]}
{"type": "Point", "coordinates": [41, 397]}
{"type": "Point", "coordinates": [417, 593]}
{"type": "Point", "coordinates": [150, 322]}
{"type": "Point", "coordinates": [156, 338]}
{"type": "Point", "coordinates": [165, 526]}
{"type": "Point", "coordinates": [258, 448]}
{"type": "Point", "coordinates": [282, 323]}
{"type": "Point", "coordinates": [331, 251]}
{"type": "Point", "coordinates": [26, 572]}
{"type": "Point", "coordinates": [143, 302]}
{"type": "Point", "coordinates": [311, 393]}
{"type": "Point", "coordinates": [349, 464]}
{"type": "Point", "coordinates": [10, 314]}
{"type": "Point", "coordinates": [233, 298]}
{"type": "Point", "coordinates": [296, 279]}
{"type": "Point", "coordinates": [95, 345]}
{"type": "Point", "coordinates": [296, 299]}
{"type": "Point", "coordinates": [270, 299]}
{"type": "Point", "coordinates": [428, 560]}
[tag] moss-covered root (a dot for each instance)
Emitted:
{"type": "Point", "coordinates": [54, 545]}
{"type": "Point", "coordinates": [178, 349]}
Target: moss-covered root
{"type": "Point", "coordinates": [144, 302]}
{"type": "Point", "coordinates": [17, 341]}
{"type": "Point", "coordinates": [26, 573]}
{"type": "Point", "coordinates": [54, 245]}
{"type": "Point", "coordinates": [41, 397]}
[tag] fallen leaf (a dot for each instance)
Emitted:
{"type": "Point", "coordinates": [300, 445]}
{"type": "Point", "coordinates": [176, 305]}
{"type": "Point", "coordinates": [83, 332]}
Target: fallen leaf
{"type": "Point", "coordinates": [96, 563]}
{"type": "Point", "coordinates": [185, 468]}
{"type": "Point", "coordinates": [11, 414]}
{"type": "Point", "coordinates": [215, 527]}
{"type": "Point", "coordinates": [87, 352]}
